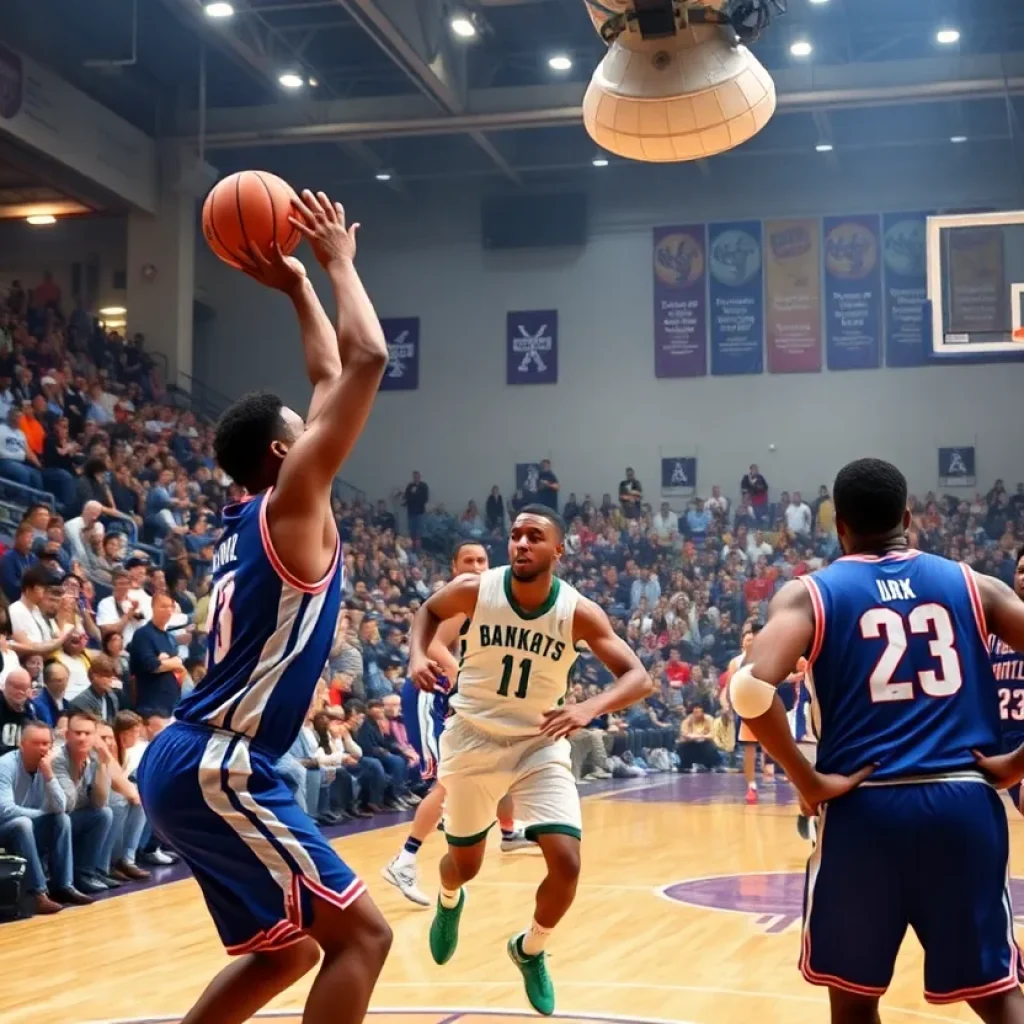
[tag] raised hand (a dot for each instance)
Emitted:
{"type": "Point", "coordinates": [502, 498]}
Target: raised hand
{"type": "Point", "coordinates": [323, 225]}
{"type": "Point", "coordinates": [283, 273]}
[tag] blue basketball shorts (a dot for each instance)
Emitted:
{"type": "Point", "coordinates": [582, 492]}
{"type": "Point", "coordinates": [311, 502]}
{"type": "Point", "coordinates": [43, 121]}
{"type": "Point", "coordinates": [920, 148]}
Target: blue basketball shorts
{"type": "Point", "coordinates": [1011, 741]}
{"type": "Point", "coordinates": [257, 856]}
{"type": "Point", "coordinates": [931, 854]}
{"type": "Point", "coordinates": [423, 715]}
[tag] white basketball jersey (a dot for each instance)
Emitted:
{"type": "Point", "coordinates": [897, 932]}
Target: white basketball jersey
{"type": "Point", "coordinates": [515, 664]}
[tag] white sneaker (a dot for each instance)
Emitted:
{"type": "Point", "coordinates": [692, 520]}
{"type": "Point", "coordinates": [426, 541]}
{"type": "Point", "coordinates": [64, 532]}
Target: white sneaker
{"type": "Point", "coordinates": [517, 841]}
{"type": "Point", "coordinates": [403, 878]}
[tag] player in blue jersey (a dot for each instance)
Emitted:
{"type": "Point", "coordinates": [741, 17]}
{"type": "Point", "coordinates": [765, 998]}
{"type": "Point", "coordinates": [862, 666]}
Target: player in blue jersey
{"type": "Point", "coordinates": [424, 715]}
{"type": "Point", "coordinates": [1008, 668]}
{"type": "Point", "coordinates": [897, 646]}
{"type": "Point", "coordinates": [275, 888]}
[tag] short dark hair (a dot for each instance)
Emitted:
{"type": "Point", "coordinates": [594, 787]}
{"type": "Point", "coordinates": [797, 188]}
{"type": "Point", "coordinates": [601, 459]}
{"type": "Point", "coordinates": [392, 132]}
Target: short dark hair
{"type": "Point", "coordinates": [1020, 555]}
{"type": "Point", "coordinates": [870, 497]}
{"type": "Point", "coordinates": [36, 723]}
{"type": "Point", "coordinates": [354, 707]}
{"type": "Point", "coordinates": [74, 713]}
{"type": "Point", "coordinates": [466, 544]}
{"type": "Point", "coordinates": [544, 512]}
{"type": "Point", "coordinates": [375, 703]}
{"type": "Point", "coordinates": [39, 576]}
{"type": "Point", "coordinates": [244, 433]}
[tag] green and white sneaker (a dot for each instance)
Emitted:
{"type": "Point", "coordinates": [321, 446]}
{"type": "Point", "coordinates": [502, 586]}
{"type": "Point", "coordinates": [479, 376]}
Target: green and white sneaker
{"type": "Point", "coordinates": [444, 930]}
{"type": "Point", "coordinates": [534, 970]}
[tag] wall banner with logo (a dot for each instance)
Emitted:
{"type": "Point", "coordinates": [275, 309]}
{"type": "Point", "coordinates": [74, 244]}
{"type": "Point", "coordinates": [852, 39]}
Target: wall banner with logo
{"type": "Point", "coordinates": [680, 302]}
{"type": "Point", "coordinates": [403, 337]}
{"type": "Point", "coordinates": [736, 288]}
{"type": "Point", "coordinates": [527, 480]}
{"type": "Point", "coordinates": [956, 467]}
{"type": "Point", "coordinates": [792, 256]}
{"type": "Point", "coordinates": [853, 292]}
{"type": "Point", "coordinates": [531, 347]}
{"type": "Point", "coordinates": [906, 288]}
{"type": "Point", "coordinates": [678, 475]}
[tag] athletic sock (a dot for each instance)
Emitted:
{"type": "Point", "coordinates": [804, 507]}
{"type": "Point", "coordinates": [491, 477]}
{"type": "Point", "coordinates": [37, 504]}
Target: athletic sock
{"type": "Point", "coordinates": [508, 828]}
{"type": "Point", "coordinates": [533, 941]}
{"type": "Point", "coordinates": [450, 897]}
{"type": "Point", "coordinates": [412, 846]}
{"type": "Point", "coordinates": [752, 785]}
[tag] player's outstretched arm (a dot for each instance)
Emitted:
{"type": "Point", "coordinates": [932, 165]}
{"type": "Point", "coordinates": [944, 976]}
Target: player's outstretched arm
{"type": "Point", "coordinates": [440, 649]}
{"type": "Point", "coordinates": [786, 637]}
{"type": "Point", "coordinates": [632, 681]}
{"type": "Point", "coordinates": [455, 598]}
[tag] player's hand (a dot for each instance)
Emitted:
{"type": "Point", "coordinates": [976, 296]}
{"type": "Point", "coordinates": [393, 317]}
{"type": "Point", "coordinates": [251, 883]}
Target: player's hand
{"type": "Point", "coordinates": [284, 273]}
{"type": "Point", "coordinates": [323, 224]}
{"type": "Point", "coordinates": [564, 721]}
{"type": "Point", "coordinates": [1003, 770]}
{"type": "Point", "coordinates": [425, 673]}
{"type": "Point", "coordinates": [830, 787]}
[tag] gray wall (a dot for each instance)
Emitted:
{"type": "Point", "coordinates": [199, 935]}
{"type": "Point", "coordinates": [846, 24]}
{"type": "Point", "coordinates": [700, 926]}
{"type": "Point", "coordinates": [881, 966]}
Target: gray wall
{"type": "Point", "coordinates": [464, 429]}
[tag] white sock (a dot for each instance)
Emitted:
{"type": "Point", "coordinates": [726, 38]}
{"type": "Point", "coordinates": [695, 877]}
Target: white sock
{"type": "Point", "coordinates": [450, 897]}
{"type": "Point", "coordinates": [405, 859]}
{"type": "Point", "coordinates": [752, 785]}
{"type": "Point", "coordinates": [533, 941]}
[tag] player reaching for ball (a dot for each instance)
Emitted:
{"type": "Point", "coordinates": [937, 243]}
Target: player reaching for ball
{"type": "Point", "coordinates": [273, 885]}
{"type": "Point", "coordinates": [509, 727]}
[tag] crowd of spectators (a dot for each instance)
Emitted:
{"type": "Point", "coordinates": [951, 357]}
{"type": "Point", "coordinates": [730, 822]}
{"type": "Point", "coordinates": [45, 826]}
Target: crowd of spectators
{"type": "Point", "coordinates": [104, 592]}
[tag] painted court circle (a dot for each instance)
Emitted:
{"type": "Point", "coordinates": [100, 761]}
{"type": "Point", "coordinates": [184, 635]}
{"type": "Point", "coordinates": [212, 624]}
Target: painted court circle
{"type": "Point", "coordinates": [414, 1016]}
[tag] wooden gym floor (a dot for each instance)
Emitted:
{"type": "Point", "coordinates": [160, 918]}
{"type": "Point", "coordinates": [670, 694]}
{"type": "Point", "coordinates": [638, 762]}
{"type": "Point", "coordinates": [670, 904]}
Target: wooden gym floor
{"type": "Point", "coordinates": [688, 911]}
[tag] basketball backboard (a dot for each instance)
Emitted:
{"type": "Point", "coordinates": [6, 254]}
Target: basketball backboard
{"type": "Point", "coordinates": [976, 286]}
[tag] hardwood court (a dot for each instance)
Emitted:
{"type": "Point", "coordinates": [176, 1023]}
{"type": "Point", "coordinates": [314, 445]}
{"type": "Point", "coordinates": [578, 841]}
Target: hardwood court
{"type": "Point", "coordinates": [687, 912]}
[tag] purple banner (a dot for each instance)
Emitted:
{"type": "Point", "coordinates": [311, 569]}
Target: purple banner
{"type": "Point", "coordinates": [531, 347]}
{"type": "Point", "coordinates": [737, 298]}
{"type": "Point", "coordinates": [680, 302]}
{"type": "Point", "coordinates": [853, 287]}
{"type": "Point", "coordinates": [403, 337]}
{"type": "Point", "coordinates": [906, 288]}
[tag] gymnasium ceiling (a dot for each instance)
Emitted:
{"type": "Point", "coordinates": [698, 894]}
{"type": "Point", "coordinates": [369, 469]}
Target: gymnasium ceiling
{"type": "Point", "coordinates": [395, 93]}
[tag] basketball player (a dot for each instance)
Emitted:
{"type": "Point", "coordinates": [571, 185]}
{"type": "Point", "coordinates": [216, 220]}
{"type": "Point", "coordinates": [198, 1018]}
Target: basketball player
{"type": "Point", "coordinates": [745, 736]}
{"type": "Point", "coordinates": [897, 647]}
{"type": "Point", "coordinates": [424, 715]}
{"type": "Point", "coordinates": [1008, 668]}
{"type": "Point", "coordinates": [275, 888]}
{"type": "Point", "coordinates": [509, 728]}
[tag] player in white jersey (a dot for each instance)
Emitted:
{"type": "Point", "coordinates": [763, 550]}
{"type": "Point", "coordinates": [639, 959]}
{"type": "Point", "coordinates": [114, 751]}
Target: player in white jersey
{"type": "Point", "coordinates": [510, 723]}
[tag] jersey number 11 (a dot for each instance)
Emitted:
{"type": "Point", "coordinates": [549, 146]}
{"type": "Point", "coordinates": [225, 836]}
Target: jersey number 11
{"type": "Point", "coordinates": [507, 665]}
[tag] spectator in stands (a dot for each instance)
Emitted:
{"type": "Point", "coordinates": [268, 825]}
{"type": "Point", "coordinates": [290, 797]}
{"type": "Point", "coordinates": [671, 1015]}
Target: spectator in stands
{"type": "Point", "coordinates": [51, 702]}
{"type": "Point", "coordinates": [666, 522]}
{"type": "Point", "coordinates": [494, 511]}
{"type": "Point", "coordinates": [15, 561]}
{"type": "Point", "coordinates": [16, 708]}
{"type": "Point", "coordinates": [415, 499]}
{"type": "Point", "coordinates": [696, 748]}
{"type": "Point", "coordinates": [127, 493]}
{"type": "Point", "coordinates": [799, 520]}
{"type": "Point", "coordinates": [17, 461]}
{"type": "Point", "coordinates": [117, 858]}
{"type": "Point", "coordinates": [755, 488]}
{"type": "Point", "coordinates": [33, 822]}
{"type": "Point", "coordinates": [76, 529]}
{"type": "Point", "coordinates": [100, 699]}
{"type": "Point", "coordinates": [471, 524]}
{"type": "Point", "coordinates": [698, 520]}
{"type": "Point", "coordinates": [119, 613]}
{"type": "Point", "coordinates": [631, 495]}
{"type": "Point", "coordinates": [376, 744]}
{"type": "Point", "coordinates": [31, 424]}
{"type": "Point", "coordinates": [717, 504]}
{"type": "Point", "coordinates": [82, 767]}
{"type": "Point", "coordinates": [824, 513]}
{"type": "Point", "coordinates": [155, 663]}
{"type": "Point", "coordinates": [547, 485]}
{"type": "Point", "coordinates": [33, 628]}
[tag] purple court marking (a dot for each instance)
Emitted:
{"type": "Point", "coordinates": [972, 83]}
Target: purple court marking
{"type": "Point", "coordinates": [775, 899]}
{"type": "Point", "coordinates": [708, 789]}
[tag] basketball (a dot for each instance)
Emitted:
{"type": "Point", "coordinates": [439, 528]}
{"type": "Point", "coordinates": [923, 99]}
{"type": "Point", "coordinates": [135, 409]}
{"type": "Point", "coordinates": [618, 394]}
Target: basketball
{"type": "Point", "coordinates": [250, 208]}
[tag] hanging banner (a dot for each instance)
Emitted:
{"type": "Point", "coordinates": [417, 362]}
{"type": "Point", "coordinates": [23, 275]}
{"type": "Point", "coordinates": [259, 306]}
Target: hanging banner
{"type": "Point", "coordinates": [528, 480]}
{"type": "Point", "coordinates": [853, 292]}
{"type": "Point", "coordinates": [906, 288]}
{"type": "Point", "coordinates": [737, 298]}
{"type": "Point", "coordinates": [678, 475]}
{"type": "Point", "coordinates": [403, 337]}
{"type": "Point", "coordinates": [976, 280]}
{"type": "Point", "coordinates": [531, 345]}
{"type": "Point", "coordinates": [680, 302]}
{"type": "Point", "coordinates": [792, 255]}
{"type": "Point", "coordinates": [956, 467]}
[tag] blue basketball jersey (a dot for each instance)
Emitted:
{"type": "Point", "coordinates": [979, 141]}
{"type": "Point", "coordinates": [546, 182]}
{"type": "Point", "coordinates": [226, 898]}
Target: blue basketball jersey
{"type": "Point", "coordinates": [900, 670]}
{"type": "Point", "coordinates": [1008, 668]}
{"type": "Point", "coordinates": [269, 636]}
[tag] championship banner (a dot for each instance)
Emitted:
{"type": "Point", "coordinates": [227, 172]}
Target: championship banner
{"type": "Point", "coordinates": [737, 298]}
{"type": "Point", "coordinates": [531, 346]}
{"type": "Point", "coordinates": [792, 254]}
{"type": "Point", "coordinates": [680, 302]}
{"type": "Point", "coordinates": [853, 292]}
{"type": "Point", "coordinates": [904, 244]}
{"type": "Point", "coordinates": [403, 338]}
{"type": "Point", "coordinates": [956, 467]}
{"type": "Point", "coordinates": [528, 479]}
{"type": "Point", "coordinates": [678, 475]}
{"type": "Point", "coordinates": [976, 281]}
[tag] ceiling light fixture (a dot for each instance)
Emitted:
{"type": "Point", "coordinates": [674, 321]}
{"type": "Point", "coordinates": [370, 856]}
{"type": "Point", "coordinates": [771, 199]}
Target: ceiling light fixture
{"type": "Point", "coordinates": [819, 1]}
{"type": "Point", "coordinates": [560, 62]}
{"type": "Point", "coordinates": [958, 138]}
{"type": "Point", "coordinates": [600, 161]}
{"type": "Point", "coordinates": [291, 80]}
{"type": "Point", "coordinates": [314, 82]}
{"type": "Point", "coordinates": [801, 48]}
{"type": "Point", "coordinates": [41, 219]}
{"type": "Point", "coordinates": [462, 26]}
{"type": "Point", "coordinates": [113, 311]}
{"type": "Point", "coordinates": [219, 10]}
{"type": "Point", "coordinates": [824, 147]}
{"type": "Point", "coordinates": [383, 175]}
{"type": "Point", "coordinates": [947, 36]}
